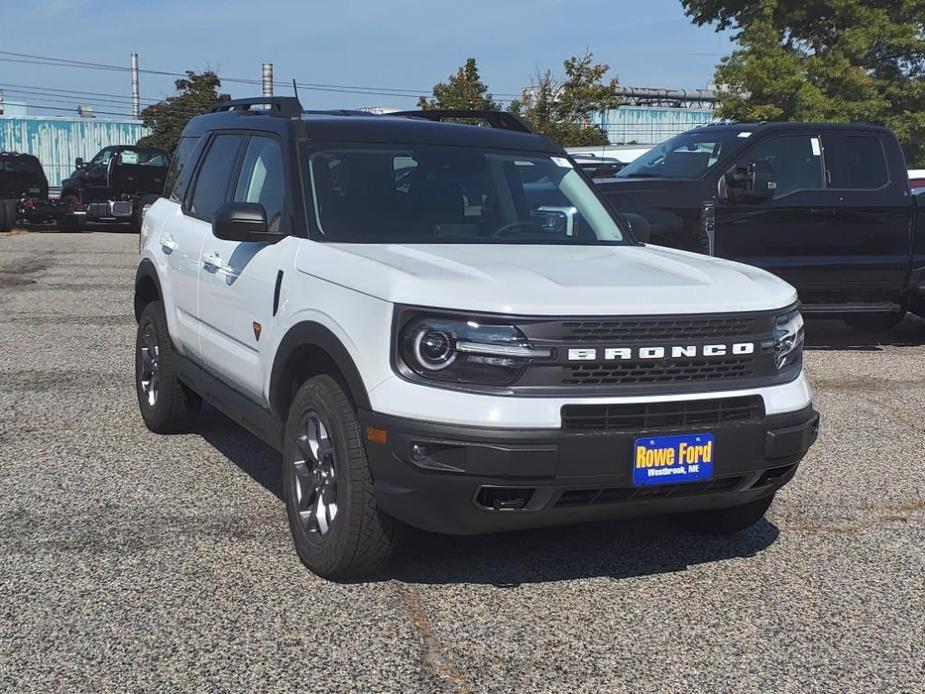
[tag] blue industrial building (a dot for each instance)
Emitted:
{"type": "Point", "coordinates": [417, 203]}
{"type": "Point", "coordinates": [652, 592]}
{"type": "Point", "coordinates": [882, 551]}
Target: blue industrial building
{"type": "Point", "coordinates": [57, 141]}
{"type": "Point", "coordinates": [649, 125]}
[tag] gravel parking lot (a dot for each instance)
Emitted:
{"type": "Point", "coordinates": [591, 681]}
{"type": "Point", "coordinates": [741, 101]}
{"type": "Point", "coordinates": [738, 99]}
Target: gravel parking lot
{"type": "Point", "coordinates": [130, 561]}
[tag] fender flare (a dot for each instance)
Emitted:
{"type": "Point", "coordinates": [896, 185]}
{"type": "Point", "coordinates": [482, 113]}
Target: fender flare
{"type": "Point", "coordinates": [312, 334]}
{"type": "Point", "coordinates": [146, 270]}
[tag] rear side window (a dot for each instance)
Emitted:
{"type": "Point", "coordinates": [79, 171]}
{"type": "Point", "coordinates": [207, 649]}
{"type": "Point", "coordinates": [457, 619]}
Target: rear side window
{"type": "Point", "coordinates": [855, 162]}
{"type": "Point", "coordinates": [795, 159]}
{"type": "Point", "coordinates": [211, 189]}
{"type": "Point", "coordinates": [178, 177]}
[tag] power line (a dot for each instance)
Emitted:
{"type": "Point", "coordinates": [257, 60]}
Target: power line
{"type": "Point", "coordinates": [313, 86]}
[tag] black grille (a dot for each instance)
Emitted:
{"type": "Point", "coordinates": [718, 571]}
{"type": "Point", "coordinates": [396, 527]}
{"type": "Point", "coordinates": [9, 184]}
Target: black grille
{"type": "Point", "coordinates": [648, 329]}
{"type": "Point", "coordinates": [686, 371]}
{"type": "Point", "coordinates": [613, 495]}
{"type": "Point", "coordinates": [652, 416]}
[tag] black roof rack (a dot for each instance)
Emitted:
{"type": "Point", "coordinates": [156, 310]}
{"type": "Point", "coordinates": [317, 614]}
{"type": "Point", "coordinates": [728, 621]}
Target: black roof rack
{"type": "Point", "coordinates": [496, 119]}
{"type": "Point", "coordinates": [283, 106]}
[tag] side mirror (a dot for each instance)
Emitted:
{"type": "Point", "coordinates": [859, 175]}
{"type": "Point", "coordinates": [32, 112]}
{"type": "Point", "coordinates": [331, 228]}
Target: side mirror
{"type": "Point", "coordinates": [754, 182]}
{"type": "Point", "coordinates": [79, 163]}
{"type": "Point", "coordinates": [639, 226]}
{"type": "Point", "coordinates": [243, 221]}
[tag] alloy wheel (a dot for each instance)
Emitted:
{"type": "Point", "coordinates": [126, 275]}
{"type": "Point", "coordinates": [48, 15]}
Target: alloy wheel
{"type": "Point", "coordinates": [149, 376]}
{"type": "Point", "coordinates": [315, 476]}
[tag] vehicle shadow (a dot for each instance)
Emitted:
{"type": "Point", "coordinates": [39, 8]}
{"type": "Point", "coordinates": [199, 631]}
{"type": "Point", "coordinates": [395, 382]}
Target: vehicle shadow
{"type": "Point", "coordinates": [253, 456]}
{"type": "Point", "coordinates": [612, 549]}
{"type": "Point", "coordinates": [834, 334]}
{"type": "Point", "coordinates": [114, 228]}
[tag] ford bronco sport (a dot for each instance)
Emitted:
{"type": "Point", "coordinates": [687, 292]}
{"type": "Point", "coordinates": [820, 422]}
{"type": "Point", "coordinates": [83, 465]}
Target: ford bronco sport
{"type": "Point", "coordinates": [443, 325]}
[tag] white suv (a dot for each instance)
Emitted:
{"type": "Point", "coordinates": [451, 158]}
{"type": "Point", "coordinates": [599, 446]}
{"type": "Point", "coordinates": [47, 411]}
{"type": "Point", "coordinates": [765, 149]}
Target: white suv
{"type": "Point", "coordinates": [444, 326]}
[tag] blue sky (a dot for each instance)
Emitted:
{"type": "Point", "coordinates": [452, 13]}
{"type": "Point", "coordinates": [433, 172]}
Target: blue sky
{"type": "Point", "coordinates": [403, 44]}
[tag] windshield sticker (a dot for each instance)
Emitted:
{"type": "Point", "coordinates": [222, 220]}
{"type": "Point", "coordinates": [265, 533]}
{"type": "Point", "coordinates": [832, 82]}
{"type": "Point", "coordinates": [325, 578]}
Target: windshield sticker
{"type": "Point", "coordinates": [814, 141]}
{"type": "Point", "coordinates": [745, 133]}
{"type": "Point", "coordinates": [561, 161]}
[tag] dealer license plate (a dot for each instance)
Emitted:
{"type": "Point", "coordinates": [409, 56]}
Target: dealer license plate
{"type": "Point", "coordinates": [673, 459]}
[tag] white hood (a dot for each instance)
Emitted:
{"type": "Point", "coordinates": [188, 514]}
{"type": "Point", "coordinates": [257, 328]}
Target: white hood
{"type": "Point", "coordinates": [547, 280]}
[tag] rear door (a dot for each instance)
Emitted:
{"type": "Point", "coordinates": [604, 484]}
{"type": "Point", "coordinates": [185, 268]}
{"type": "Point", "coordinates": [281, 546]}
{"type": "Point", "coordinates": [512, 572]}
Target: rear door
{"type": "Point", "coordinates": [870, 252]}
{"type": "Point", "coordinates": [795, 234]}
{"type": "Point", "coordinates": [238, 279]}
{"type": "Point", "coordinates": [182, 237]}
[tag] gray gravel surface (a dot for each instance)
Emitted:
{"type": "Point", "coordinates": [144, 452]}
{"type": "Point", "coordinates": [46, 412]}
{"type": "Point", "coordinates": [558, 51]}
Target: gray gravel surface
{"type": "Point", "coordinates": [133, 562]}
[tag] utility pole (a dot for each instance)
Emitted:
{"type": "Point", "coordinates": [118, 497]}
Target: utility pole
{"type": "Point", "coordinates": [136, 99]}
{"type": "Point", "coordinates": [268, 79]}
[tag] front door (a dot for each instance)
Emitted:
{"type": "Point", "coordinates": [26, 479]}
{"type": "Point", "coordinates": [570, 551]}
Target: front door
{"type": "Point", "coordinates": [238, 279]}
{"type": "Point", "coordinates": [793, 233]}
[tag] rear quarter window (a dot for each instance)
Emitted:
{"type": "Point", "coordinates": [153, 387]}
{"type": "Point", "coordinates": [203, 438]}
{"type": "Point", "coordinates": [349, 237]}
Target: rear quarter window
{"type": "Point", "coordinates": [855, 162]}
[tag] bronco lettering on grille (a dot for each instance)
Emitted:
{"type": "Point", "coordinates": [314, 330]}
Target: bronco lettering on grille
{"type": "Point", "coordinates": [659, 352]}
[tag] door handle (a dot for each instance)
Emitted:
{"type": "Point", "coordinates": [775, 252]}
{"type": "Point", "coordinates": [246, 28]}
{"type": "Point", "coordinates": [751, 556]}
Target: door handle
{"type": "Point", "coordinates": [213, 260]}
{"type": "Point", "coordinates": [168, 242]}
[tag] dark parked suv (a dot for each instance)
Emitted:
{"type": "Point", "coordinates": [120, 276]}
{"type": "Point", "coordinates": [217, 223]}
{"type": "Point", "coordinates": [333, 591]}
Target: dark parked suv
{"type": "Point", "coordinates": [826, 207]}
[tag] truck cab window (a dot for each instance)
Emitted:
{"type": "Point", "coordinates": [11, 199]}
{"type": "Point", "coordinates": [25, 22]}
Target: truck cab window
{"type": "Point", "coordinates": [795, 159]}
{"type": "Point", "coordinates": [854, 162]}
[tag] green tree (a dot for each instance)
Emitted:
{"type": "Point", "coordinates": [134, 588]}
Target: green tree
{"type": "Point", "coordinates": [463, 91]}
{"type": "Point", "coordinates": [562, 109]}
{"type": "Point", "coordinates": [832, 60]}
{"type": "Point", "coordinates": [167, 118]}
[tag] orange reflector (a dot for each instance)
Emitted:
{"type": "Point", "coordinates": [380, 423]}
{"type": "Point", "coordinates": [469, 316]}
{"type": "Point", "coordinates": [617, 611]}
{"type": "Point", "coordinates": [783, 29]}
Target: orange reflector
{"type": "Point", "coordinates": [380, 436]}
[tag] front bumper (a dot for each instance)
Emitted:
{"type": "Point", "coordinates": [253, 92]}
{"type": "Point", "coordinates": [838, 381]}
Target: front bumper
{"type": "Point", "coordinates": [468, 480]}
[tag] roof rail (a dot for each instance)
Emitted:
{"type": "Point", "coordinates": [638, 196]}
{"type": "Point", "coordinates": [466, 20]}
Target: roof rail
{"type": "Point", "coordinates": [283, 106]}
{"type": "Point", "coordinates": [502, 120]}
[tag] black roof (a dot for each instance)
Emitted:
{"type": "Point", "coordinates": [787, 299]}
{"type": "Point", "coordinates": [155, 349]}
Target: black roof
{"type": "Point", "coordinates": [362, 127]}
{"type": "Point", "coordinates": [787, 126]}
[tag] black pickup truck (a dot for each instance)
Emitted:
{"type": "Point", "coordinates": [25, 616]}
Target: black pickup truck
{"type": "Point", "coordinates": [118, 184]}
{"type": "Point", "coordinates": [826, 207]}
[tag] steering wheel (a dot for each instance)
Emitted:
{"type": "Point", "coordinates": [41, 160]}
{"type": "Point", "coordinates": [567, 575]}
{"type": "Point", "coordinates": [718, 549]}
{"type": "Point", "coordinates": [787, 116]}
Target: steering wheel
{"type": "Point", "coordinates": [503, 232]}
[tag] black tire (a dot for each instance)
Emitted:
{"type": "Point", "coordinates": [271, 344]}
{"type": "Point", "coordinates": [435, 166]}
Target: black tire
{"type": "Point", "coordinates": [325, 464]}
{"type": "Point", "coordinates": [875, 322]}
{"type": "Point", "coordinates": [138, 214]}
{"type": "Point", "coordinates": [72, 223]}
{"type": "Point", "coordinates": [725, 521]}
{"type": "Point", "coordinates": [6, 222]}
{"type": "Point", "coordinates": [174, 407]}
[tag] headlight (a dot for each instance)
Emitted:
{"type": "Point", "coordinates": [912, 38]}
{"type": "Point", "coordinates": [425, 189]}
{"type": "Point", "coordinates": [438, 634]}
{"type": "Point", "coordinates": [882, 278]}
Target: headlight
{"type": "Point", "coordinates": [466, 351]}
{"type": "Point", "coordinates": [788, 339]}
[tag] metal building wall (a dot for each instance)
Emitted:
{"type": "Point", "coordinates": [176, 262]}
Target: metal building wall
{"type": "Point", "coordinates": [650, 125]}
{"type": "Point", "coordinates": [58, 141]}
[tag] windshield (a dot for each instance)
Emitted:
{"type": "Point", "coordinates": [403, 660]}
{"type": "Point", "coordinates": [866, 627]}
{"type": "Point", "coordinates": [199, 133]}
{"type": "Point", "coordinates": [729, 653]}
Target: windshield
{"type": "Point", "coordinates": [687, 155]}
{"type": "Point", "coordinates": [444, 194]}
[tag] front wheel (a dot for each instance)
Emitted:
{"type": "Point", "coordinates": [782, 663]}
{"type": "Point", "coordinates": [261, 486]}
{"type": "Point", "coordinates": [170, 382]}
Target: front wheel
{"type": "Point", "coordinates": [336, 526]}
{"type": "Point", "coordinates": [142, 205]}
{"type": "Point", "coordinates": [725, 521]}
{"type": "Point", "coordinates": [875, 322]}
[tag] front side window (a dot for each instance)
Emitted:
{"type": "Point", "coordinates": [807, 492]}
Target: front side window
{"type": "Point", "coordinates": [103, 156]}
{"type": "Point", "coordinates": [796, 161]}
{"type": "Point", "coordinates": [211, 188]}
{"type": "Point", "coordinates": [687, 155]}
{"type": "Point", "coordinates": [445, 194]}
{"type": "Point", "coordinates": [855, 162]}
{"type": "Point", "coordinates": [261, 178]}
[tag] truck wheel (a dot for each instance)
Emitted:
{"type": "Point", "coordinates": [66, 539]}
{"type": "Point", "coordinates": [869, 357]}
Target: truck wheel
{"type": "Point", "coordinates": [167, 406]}
{"type": "Point", "coordinates": [72, 223]}
{"type": "Point", "coordinates": [875, 322]}
{"type": "Point", "coordinates": [336, 526]}
{"type": "Point", "coordinates": [142, 205]}
{"type": "Point", "coordinates": [725, 521]}
{"type": "Point", "coordinates": [6, 219]}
